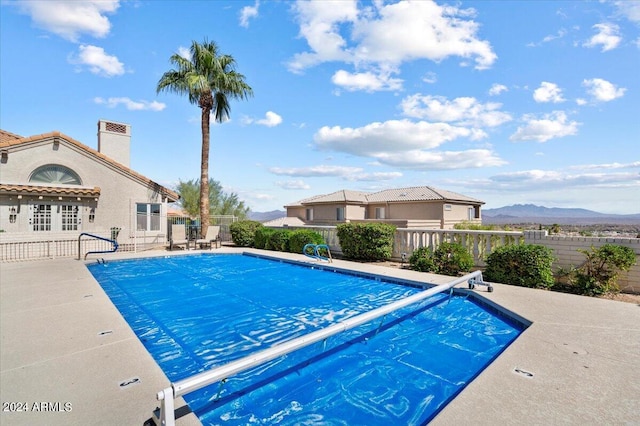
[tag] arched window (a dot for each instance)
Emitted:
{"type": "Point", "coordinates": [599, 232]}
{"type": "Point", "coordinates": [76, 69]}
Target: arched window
{"type": "Point", "coordinates": [56, 174]}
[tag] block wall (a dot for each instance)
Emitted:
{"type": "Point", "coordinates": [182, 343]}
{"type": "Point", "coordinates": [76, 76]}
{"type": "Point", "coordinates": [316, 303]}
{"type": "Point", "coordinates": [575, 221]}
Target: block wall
{"type": "Point", "coordinates": [566, 251]}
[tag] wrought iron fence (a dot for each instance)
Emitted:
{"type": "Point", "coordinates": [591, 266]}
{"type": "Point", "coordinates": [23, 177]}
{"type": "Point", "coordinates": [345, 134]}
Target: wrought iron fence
{"type": "Point", "coordinates": [29, 246]}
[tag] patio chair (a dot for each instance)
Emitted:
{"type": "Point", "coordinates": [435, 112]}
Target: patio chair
{"type": "Point", "coordinates": [178, 237]}
{"type": "Point", "coordinates": [213, 235]}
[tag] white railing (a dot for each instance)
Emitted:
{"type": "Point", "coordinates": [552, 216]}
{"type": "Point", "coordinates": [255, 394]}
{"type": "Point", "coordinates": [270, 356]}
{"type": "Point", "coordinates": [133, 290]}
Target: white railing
{"type": "Point", "coordinates": [479, 243]}
{"type": "Point", "coordinates": [406, 240]}
{"type": "Point", "coordinates": [206, 378]}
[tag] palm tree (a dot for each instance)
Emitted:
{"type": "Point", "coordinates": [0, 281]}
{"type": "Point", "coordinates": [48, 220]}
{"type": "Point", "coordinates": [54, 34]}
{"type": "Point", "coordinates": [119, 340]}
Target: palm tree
{"type": "Point", "coordinates": [209, 79]}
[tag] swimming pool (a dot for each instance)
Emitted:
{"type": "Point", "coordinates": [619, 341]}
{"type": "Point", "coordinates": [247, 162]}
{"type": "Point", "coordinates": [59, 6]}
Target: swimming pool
{"type": "Point", "coordinates": [194, 313]}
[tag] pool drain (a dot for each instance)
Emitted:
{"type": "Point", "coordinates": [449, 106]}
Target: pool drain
{"type": "Point", "coordinates": [523, 373]}
{"type": "Point", "coordinates": [128, 382]}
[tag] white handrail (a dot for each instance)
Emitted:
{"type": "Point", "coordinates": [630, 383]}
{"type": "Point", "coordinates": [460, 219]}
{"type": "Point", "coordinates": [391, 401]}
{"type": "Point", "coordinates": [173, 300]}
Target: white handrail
{"type": "Point", "coordinates": [200, 380]}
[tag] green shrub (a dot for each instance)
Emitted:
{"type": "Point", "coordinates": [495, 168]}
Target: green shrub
{"type": "Point", "coordinates": [279, 240]}
{"type": "Point", "coordinates": [473, 226]}
{"type": "Point", "coordinates": [447, 259]}
{"type": "Point", "coordinates": [262, 236]}
{"type": "Point", "coordinates": [422, 260]}
{"type": "Point", "coordinates": [452, 258]}
{"type": "Point", "coordinates": [525, 265]}
{"type": "Point", "coordinates": [366, 241]}
{"type": "Point", "coordinates": [301, 237]}
{"type": "Point", "coordinates": [599, 273]}
{"type": "Point", "coordinates": [243, 232]}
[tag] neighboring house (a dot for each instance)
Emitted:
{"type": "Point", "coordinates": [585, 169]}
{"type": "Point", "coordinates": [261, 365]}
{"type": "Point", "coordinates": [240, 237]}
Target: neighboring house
{"type": "Point", "coordinates": [416, 207]}
{"type": "Point", "coordinates": [52, 186]}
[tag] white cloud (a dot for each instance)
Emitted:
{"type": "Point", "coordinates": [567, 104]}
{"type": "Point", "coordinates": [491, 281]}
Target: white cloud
{"type": "Point", "coordinates": [406, 144]}
{"type": "Point", "coordinates": [342, 172]}
{"type": "Point", "coordinates": [421, 30]}
{"type": "Point", "coordinates": [389, 136]}
{"type": "Point", "coordinates": [550, 126]}
{"type": "Point", "coordinates": [430, 77]}
{"type": "Point", "coordinates": [185, 52]}
{"type": "Point", "coordinates": [98, 61]}
{"type": "Point", "coordinates": [271, 119]}
{"type": "Point", "coordinates": [383, 35]}
{"type": "Point", "coordinates": [497, 89]}
{"type": "Point", "coordinates": [248, 12]}
{"type": "Point", "coordinates": [608, 166]}
{"type": "Point", "coordinates": [70, 19]}
{"type": "Point", "coordinates": [545, 179]}
{"type": "Point", "coordinates": [316, 171]}
{"type": "Point", "coordinates": [548, 92]}
{"type": "Point", "coordinates": [292, 184]}
{"type": "Point", "coordinates": [374, 177]}
{"type": "Point", "coordinates": [608, 37]}
{"type": "Point", "coordinates": [259, 196]}
{"type": "Point", "coordinates": [629, 9]}
{"type": "Point", "coordinates": [603, 90]}
{"type": "Point", "coordinates": [319, 27]}
{"type": "Point", "coordinates": [560, 34]}
{"type": "Point", "coordinates": [441, 160]}
{"type": "Point", "coordinates": [130, 104]}
{"type": "Point", "coordinates": [367, 81]}
{"type": "Point", "coordinates": [463, 111]}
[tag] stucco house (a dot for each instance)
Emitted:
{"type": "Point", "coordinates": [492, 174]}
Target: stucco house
{"type": "Point", "coordinates": [52, 186]}
{"type": "Point", "coordinates": [415, 207]}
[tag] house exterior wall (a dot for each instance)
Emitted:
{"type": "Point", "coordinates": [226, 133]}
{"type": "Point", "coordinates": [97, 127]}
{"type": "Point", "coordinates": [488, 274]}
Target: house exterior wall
{"type": "Point", "coordinates": [325, 213]}
{"type": "Point", "coordinates": [354, 212]}
{"type": "Point", "coordinates": [415, 211]}
{"type": "Point", "coordinates": [457, 213]}
{"type": "Point", "coordinates": [443, 214]}
{"type": "Point", "coordinates": [297, 211]}
{"type": "Point", "coordinates": [115, 207]}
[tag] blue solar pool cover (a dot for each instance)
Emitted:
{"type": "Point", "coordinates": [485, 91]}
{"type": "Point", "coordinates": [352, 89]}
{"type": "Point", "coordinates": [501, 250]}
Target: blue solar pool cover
{"type": "Point", "coordinates": [194, 313]}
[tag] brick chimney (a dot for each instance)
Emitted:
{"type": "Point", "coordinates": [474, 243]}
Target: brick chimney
{"type": "Point", "coordinates": [114, 141]}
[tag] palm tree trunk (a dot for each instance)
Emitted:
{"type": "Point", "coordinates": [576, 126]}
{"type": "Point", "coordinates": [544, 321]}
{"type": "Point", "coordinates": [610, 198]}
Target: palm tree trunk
{"type": "Point", "coordinates": [204, 172]}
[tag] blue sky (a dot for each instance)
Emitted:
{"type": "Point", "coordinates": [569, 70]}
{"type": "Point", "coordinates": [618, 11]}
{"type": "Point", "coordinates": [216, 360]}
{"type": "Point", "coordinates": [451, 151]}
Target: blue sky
{"type": "Point", "coordinates": [505, 101]}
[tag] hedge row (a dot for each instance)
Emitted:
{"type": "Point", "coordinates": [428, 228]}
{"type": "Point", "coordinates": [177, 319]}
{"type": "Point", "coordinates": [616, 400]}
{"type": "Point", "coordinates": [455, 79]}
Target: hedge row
{"type": "Point", "coordinates": [250, 233]}
{"type": "Point", "coordinates": [526, 265]}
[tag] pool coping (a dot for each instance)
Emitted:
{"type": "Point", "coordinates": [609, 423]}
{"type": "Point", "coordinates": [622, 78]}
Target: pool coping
{"type": "Point", "coordinates": [577, 362]}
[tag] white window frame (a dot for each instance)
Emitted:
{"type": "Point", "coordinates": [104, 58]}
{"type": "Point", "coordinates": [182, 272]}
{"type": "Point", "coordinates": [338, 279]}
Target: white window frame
{"type": "Point", "coordinates": [340, 213]}
{"type": "Point", "coordinates": [147, 218]}
{"type": "Point", "coordinates": [309, 214]}
{"type": "Point", "coordinates": [380, 213]}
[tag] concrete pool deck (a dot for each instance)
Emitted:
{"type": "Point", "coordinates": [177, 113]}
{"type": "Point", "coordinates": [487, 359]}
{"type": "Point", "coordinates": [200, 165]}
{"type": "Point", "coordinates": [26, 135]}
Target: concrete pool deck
{"type": "Point", "coordinates": [67, 357]}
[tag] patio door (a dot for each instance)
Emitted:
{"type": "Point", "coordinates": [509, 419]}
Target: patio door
{"type": "Point", "coordinates": [54, 217]}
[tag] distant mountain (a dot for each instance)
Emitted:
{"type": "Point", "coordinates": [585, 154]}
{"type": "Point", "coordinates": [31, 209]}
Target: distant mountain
{"type": "Point", "coordinates": [267, 216]}
{"type": "Point", "coordinates": [531, 210]}
{"type": "Point", "coordinates": [523, 213]}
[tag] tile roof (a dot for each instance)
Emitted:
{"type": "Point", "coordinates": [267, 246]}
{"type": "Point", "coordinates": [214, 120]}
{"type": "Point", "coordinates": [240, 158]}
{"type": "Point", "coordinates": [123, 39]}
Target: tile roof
{"type": "Point", "coordinates": [285, 221]}
{"type": "Point", "coordinates": [417, 193]}
{"type": "Point", "coordinates": [9, 140]}
{"type": "Point", "coordinates": [68, 190]}
{"type": "Point", "coordinates": [342, 196]}
{"type": "Point", "coordinates": [8, 136]}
